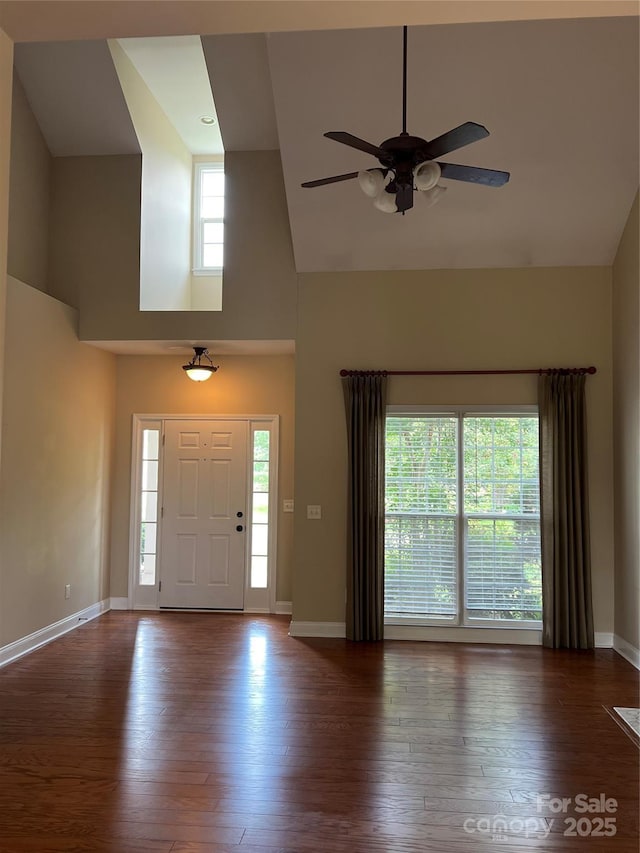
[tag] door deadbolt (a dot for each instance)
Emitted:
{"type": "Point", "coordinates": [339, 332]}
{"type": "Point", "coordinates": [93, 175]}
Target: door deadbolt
{"type": "Point", "coordinates": [239, 514]}
{"type": "Point", "coordinates": [239, 528]}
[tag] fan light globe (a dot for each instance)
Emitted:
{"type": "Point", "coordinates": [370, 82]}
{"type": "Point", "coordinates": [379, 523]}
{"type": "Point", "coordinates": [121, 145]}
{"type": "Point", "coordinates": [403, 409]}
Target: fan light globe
{"type": "Point", "coordinates": [426, 175]}
{"type": "Point", "coordinates": [433, 195]}
{"type": "Point", "coordinates": [371, 182]}
{"type": "Point", "coordinates": [386, 202]}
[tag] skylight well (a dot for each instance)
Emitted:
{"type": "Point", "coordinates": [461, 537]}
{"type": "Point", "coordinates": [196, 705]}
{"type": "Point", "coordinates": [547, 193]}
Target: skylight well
{"type": "Point", "coordinates": [167, 89]}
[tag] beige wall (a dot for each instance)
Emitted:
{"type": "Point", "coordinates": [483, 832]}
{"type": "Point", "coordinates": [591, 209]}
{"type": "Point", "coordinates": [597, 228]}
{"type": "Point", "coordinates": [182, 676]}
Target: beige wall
{"type": "Point", "coordinates": [260, 280]}
{"type": "Point", "coordinates": [56, 466]}
{"type": "Point", "coordinates": [626, 425]}
{"type": "Point", "coordinates": [28, 196]}
{"type": "Point", "coordinates": [439, 320]}
{"type": "Point", "coordinates": [56, 21]}
{"type": "Point", "coordinates": [244, 385]}
{"type": "Point", "coordinates": [6, 72]}
{"type": "Point", "coordinates": [95, 246]}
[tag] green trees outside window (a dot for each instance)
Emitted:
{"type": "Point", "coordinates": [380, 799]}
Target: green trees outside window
{"type": "Point", "coordinates": [462, 527]}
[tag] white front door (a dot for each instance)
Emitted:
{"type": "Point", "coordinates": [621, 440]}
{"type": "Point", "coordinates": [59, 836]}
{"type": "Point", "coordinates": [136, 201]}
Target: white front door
{"type": "Point", "coordinates": [204, 514]}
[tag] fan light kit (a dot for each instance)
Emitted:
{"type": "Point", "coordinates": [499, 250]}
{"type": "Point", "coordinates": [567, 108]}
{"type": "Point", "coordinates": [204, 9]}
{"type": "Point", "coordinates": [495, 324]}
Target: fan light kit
{"type": "Point", "coordinates": [198, 370]}
{"type": "Point", "coordinates": [409, 162]}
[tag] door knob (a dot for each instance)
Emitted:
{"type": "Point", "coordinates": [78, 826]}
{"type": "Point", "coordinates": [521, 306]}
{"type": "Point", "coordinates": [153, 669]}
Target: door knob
{"type": "Point", "coordinates": [239, 528]}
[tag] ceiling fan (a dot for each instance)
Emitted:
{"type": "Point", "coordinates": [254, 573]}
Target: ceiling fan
{"type": "Point", "coordinates": [409, 162]}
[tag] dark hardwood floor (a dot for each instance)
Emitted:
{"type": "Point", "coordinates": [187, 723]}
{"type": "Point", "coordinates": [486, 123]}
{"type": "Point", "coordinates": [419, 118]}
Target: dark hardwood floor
{"type": "Point", "coordinates": [211, 733]}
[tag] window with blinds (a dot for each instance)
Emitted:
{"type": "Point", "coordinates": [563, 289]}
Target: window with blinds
{"type": "Point", "coordinates": [208, 242]}
{"type": "Point", "coordinates": [462, 527]}
{"type": "Point", "coordinates": [421, 524]}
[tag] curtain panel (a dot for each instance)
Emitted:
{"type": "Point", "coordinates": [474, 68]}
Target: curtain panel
{"type": "Point", "coordinates": [566, 563]}
{"type": "Point", "coordinates": [365, 398]}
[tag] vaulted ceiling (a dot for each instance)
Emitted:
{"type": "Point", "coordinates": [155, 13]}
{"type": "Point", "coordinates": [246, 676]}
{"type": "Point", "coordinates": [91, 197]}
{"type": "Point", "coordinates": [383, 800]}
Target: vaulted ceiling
{"type": "Point", "coordinates": [559, 97]}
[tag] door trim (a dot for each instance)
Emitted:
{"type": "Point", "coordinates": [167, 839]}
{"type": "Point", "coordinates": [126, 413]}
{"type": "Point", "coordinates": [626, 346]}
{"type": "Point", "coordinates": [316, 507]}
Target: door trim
{"type": "Point", "coordinates": [255, 601]}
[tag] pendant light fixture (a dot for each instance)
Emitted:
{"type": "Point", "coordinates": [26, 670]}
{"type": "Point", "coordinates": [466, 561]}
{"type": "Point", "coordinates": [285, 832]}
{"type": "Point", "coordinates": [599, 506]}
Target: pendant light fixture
{"type": "Point", "coordinates": [198, 370]}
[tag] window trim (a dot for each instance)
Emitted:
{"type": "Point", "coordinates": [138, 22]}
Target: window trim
{"type": "Point", "coordinates": [461, 621]}
{"type": "Point", "coordinates": [260, 599]}
{"type": "Point", "coordinates": [142, 596]}
{"type": "Point", "coordinates": [197, 267]}
{"type": "Point", "coordinates": [260, 426]}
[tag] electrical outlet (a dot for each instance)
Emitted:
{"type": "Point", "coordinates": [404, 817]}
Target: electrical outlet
{"type": "Point", "coordinates": [314, 512]}
{"type": "Point", "coordinates": [67, 590]}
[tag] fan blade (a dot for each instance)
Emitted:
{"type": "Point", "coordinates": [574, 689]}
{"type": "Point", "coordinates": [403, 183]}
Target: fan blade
{"type": "Point", "coordinates": [355, 142]}
{"type": "Point", "coordinates": [474, 175]}
{"type": "Point", "coordinates": [404, 198]}
{"type": "Point", "coordinates": [460, 136]}
{"type": "Point", "coordinates": [322, 181]}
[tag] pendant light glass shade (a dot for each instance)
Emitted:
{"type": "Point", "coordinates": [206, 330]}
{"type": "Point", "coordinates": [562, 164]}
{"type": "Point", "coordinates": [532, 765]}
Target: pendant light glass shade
{"type": "Point", "coordinates": [433, 195]}
{"type": "Point", "coordinates": [426, 175]}
{"type": "Point", "coordinates": [199, 374]}
{"type": "Point", "coordinates": [371, 182]}
{"type": "Point", "coordinates": [198, 370]}
{"type": "Point", "coordinates": [386, 202]}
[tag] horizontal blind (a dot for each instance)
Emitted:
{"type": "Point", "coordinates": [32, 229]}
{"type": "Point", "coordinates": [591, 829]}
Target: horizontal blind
{"type": "Point", "coordinates": [502, 518]}
{"type": "Point", "coordinates": [503, 577]}
{"type": "Point", "coordinates": [421, 498]}
{"type": "Point", "coordinates": [501, 466]}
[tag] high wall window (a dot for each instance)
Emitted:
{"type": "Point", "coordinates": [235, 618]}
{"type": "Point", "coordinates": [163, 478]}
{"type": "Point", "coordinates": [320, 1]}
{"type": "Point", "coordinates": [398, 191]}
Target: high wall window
{"type": "Point", "coordinates": [208, 242]}
{"type": "Point", "coordinates": [462, 528]}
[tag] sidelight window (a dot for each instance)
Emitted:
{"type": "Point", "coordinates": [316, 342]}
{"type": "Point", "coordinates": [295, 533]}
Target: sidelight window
{"type": "Point", "coordinates": [148, 524]}
{"type": "Point", "coordinates": [260, 509]}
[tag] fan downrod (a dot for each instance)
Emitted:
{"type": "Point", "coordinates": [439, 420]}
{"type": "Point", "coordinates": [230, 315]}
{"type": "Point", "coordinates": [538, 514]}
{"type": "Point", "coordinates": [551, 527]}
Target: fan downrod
{"type": "Point", "coordinates": [401, 154]}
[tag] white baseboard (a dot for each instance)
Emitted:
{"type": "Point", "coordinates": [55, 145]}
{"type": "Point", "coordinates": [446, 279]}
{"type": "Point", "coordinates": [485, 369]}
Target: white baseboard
{"type": "Point", "coordinates": [627, 651]}
{"type": "Point", "coordinates": [452, 635]}
{"type": "Point", "coordinates": [119, 603]}
{"type": "Point", "coordinates": [317, 629]}
{"type": "Point", "coordinates": [30, 643]}
{"type": "Point", "coordinates": [455, 634]}
{"type": "Point", "coordinates": [284, 608]}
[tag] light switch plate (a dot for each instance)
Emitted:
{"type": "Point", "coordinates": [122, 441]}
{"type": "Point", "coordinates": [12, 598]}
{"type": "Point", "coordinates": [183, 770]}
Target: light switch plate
{"type": "Point", "coordinates": [287, 506]}
{"type": "Point", "coordinates": [314, 511]}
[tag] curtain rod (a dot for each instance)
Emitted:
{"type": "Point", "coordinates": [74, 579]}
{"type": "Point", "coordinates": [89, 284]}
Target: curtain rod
{"type": "Point", "coordinates": [539, 371]}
